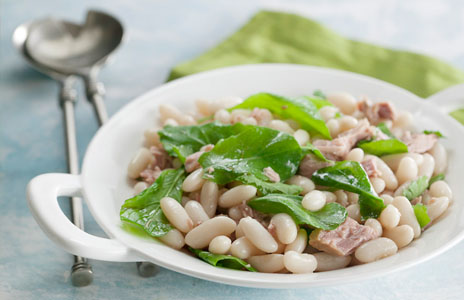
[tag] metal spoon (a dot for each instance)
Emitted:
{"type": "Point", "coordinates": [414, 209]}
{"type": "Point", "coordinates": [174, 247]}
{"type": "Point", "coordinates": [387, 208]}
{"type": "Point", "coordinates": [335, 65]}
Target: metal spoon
{"type": "Point", "coordinates": [64, 50]}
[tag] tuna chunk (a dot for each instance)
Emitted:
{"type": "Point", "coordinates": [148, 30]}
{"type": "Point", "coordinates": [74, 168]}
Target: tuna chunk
{"type": "Point", "coordinates": [342, 241]}
{"type": "Point", "coordinates": [370, 167]}
{"type": "Point", "coordinates": [162, 158]}
{"type": "Point", "coordinates": [378, 112]}
{"type": "Point", "coordinates": [150, 175]}
{"type": "Point", "coordinates": [191, 161]}
{"type": "Point", "coordinates": [339, 147]}
{"type": "Point", "coordinates": [271, 174]}
{"type": "Point", "coordinates": [309, 165]}
{"type": "Point", "coordinates": [419, 142]}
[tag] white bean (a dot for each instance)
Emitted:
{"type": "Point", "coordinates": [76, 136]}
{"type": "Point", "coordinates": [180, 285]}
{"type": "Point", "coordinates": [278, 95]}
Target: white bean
{"type": "Point", "coordinates": [151, 137]}
{"type": "Point", "coordinates": [196, 212]}
{"type": "Point", "coordinates": [441, 158]}
{"type": "Point", "coordinates": [356, 154]}
{"type": "Point", "coordinates": [354, 212]}
{"type": "Point", "coordinates": [258, 235]}
{"type": "Point", "coordinates": [387, 199]}
{"type": "Point", "coordinates": [439, 189]}
{"type": "Point", "coordinates": [301, 136]}
{"type": "Point", "coordinates": [173, 239]}
{"type": "Point", "coordinates": [249, 121]}
{"type": "Point", "coordinates": [237, 195]}
{"type": "Point", "coordinates": [286, 229]}
{"type": "Point", "coordinates": [176, 214]}
{"type": "Point", "coordinates": [390, 217]}
{"type": "Point", "coordinates": [418, 158]}
{"type": "Point", "coordinates": [200, 236]}
{"type": "Point", "coordinates": [170, 122]}
{"type": "Point", "coordinates": [280, 247]}
{"type": "Point", "coordinates": [404, 120]}
{"type": "Point", "coordinates": [328, 112]}
{"type": "Point", "coordinates": [220, 245]}
{"type": "Point", "coordinates": [407, 214]}
{"type": "Point", "coordinates": [293, 124]}
{"type": "Point", "coordinates": [342, 197]}
{"type": "Point", "coordinates": [140, 187]}
{"type": "Point", "coordinates": [314, 200]}
{"type": "Point", "coordinates": [399, 191]}
{"type": "Point", "coordinates": [203, 106]}
{"type": "Point", "coordinates": [328, 262]}
{"type": "Point", "coordinates": [238, 231]}
{"type": "Point", "coordinates": [427, 166]}
{"type": "Point", "coordinates": [299, 263]}
{"type": "Point", "coordinates": [386, 173]}
{"type": "Point", "coordinates": [401, 235]}
{"type": "Point", "coordinates": [222, 116]}
{"type": "Point", "coordinates": [194, 181]}
{"type": "Point", "coordinates": [235, 213]}
{"type": "Point", "coordinates": [393, 160]}
{"type": "Point", "coordinates": [378, 184]}
{"type": "Point", "coordinates": [139, 162]}
{"type": "Point", "coordinates": [223, 103]}
{"type": "Point", "coordinates": [243, 248]}
{"type": "Point", "coordinates": [329, 197]}
{"type": "Point", "coordinates": [347, 123]}
{"type": "Point", "coordinates": [334, 127]}
{"type": "Point", "coordinates": [281, 126]}
{"type": "Point", "coordinates": [375, 249]}
{"type": "Point", "coordinates": [170, 112]}
{"type": "Point", "coordinates": [301, 181]}
{"type": "Point", "coordinates": [268, 263]}
{"type": "Point", "coordinates": [437, 206]}
{"type": "Point", "coordinates": [300, 242]}
{"type": "Point", "coordinates": [209, 197]}
{"type": "Point", "coordinates": [407, 170]}
{"type": "Point", "coordinates": [344, 101]}
{"type": "Point", "coordinates": [353, 198]}
{"type": "Point", "coordinates": [374, 224]}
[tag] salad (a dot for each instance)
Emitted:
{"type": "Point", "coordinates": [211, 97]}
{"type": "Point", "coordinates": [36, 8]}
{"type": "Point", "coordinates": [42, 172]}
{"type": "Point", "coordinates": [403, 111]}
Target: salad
{"type": "Point", "coordinates": [287, 185]}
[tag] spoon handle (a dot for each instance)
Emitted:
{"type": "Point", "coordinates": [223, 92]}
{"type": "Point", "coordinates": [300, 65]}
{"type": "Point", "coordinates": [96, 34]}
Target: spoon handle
{"type": "Point", "coordinates": [95, 92]}
{"type": "Point", "coordinates": [81, 272]}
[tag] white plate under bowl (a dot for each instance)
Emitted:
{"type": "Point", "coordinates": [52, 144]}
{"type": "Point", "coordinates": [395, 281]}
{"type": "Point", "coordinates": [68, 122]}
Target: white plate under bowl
{"type": "Point", "coordinates": [105, 186]}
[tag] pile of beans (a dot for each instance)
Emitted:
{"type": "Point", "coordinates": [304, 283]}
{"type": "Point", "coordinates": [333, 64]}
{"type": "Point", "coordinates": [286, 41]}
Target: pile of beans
{"type": "Point", "coordinates": [216, 217]}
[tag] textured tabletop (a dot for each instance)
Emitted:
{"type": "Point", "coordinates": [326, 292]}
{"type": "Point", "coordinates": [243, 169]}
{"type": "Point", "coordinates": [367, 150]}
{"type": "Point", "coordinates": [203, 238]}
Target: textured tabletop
{"type": "Point", "coordinates": [161, 34]}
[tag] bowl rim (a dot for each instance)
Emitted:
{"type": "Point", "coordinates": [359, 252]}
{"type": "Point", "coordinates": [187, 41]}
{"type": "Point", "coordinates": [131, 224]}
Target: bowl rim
{"type": "Point", "coordinates": [230, 276]}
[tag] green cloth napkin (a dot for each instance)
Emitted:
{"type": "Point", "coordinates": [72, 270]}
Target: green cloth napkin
{"type": "Point", "coordinates": [287, 38]}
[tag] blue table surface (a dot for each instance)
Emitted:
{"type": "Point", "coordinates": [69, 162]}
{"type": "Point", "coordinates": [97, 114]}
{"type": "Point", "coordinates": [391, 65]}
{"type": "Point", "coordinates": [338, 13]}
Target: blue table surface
{"type": "Point", "coordinates": [161, 34]}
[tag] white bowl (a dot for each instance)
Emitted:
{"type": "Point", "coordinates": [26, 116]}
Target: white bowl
{"type": "Point", "coordinates": [104, 184]}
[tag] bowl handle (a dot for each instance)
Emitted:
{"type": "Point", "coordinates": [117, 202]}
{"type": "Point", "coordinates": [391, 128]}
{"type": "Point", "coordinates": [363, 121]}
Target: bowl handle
{"type": "Point", "coordinates": [42, 195]}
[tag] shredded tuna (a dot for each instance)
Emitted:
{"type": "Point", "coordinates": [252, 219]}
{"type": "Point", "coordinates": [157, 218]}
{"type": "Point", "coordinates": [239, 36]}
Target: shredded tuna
{"type": "Point", "coordinates": [191, 161]}
{"type": "Point", "coordinates": [249, 212]}
{"type": "Point", "coordinates": [150, 175]}
{"type": "Point", "coordinates": [271, 174]}
{"type": "Point", "coordinates": [262, 116]}
{"type": "Point", "coordinates": [162, 158]}
{"type": "Point", "coordinates": [419, 142]}
{"type": "Point", "coordinates": [344, 240]}
{"type": "Point", "coordinates": [309, 165]}
{"type": "Point", "coordinates": [378, 112]}
{"type": "Point", "coordinates": [339, 147]}
{"type": "Point", "coordinates": [370, 167]}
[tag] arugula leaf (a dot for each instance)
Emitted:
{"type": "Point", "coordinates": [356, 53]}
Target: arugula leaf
{"type": "Point", "coordinates": [420, 210]}
{"type": "Point", "coordinates": [385, 130]}
{"type": "Point", "coordinates": [320, 94]}
{"type": "Point", "coordinates": [437, 133]}
{"type": "Point", "coordinates": [416, 188]}
{"type": "Point", "coordinates": [249, 153]}
{"type": "Point", "coordinates": [437, 177]}
{"type": "Point", "coordinates": [383, 147]}
{"type": "Point", "coordinates": [309, 148]}
{"type": "Point", "coordinates": [458, 114]}
{"type": "Point", "coordinates": [351, 177]}
{"type": "Point", "coordinates": [144, 211]}
{"type": "Point", "coordinates": [265, 187]}
{"type": "Point", "coordinates": [223, 261]}
{"type": "Point", "coordinates": [301, 110]}
{"type": "Point", "coordinates": [319, 103]}
{"type": "Point", "coordinates": [327, 218]}
{"type": "Point", "coordinates": [181, 141]}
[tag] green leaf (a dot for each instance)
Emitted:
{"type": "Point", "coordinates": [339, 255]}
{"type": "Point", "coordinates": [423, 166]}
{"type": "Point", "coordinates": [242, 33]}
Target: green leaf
{"type": "Point", "coordinates": [458, 114]}
{"type": "Point", "coordinates": [437, 133]}
{"type": "Point", "coordinates": [319, 103]}
{"type": "Point", "coordinates": [250, 152]}
{"type": "Point", "coordinates": [181, 141]}
{"type": "Point", "coordinates": [416, 188]}
{"type": "Point", "coordinates": [327, 218]}
{"type": "Point", "coordinates": [223, 261]}
{"type": "Point", "coordinates": [309, 148]}
{"type": "Point", "coordinates": [420, 210]}
{"type": "Point", "coordinates": [265, 187]}
{"type": "Point", "coordinates": [351, 177]}
{"type": "Point", "coordinates": [301, 110]}
{"type": "Point", "coordinates": [385, 130]}
{"type": "Point", "coordinates": [435, 178]}
{"type": "Point", "coordinates": [383, 147]}
{"type": "Point", "coordinates": [320, 94]}
{"type": "Point", "coordinates": [144, 211]}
